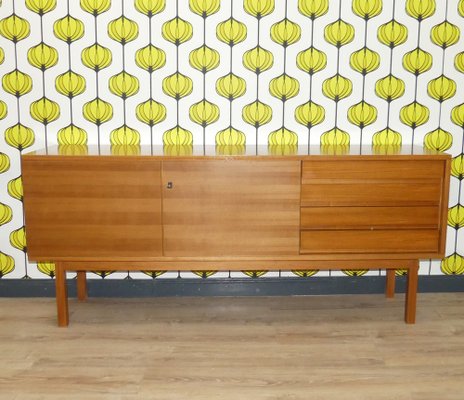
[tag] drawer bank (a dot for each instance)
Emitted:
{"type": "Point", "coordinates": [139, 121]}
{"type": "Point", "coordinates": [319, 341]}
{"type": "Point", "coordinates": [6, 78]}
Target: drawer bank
{"type": "Point", "coordinates": [148, 208]}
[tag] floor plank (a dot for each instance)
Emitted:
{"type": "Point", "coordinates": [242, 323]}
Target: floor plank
{"type": "Point", "coordinates": [279, 348]}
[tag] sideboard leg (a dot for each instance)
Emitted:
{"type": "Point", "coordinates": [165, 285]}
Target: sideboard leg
{"type": "Point", "coordinates": [390, 287]}
{"type": "Point", "coordinates": [61, 295]}
{"type": "Point", "coordinates": [411, 294]}
{"type": "Point", "coordinates": [81, 285]}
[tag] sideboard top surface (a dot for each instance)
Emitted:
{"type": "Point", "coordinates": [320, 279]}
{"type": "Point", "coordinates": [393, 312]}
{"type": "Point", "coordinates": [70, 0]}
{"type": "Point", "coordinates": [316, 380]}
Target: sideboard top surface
{"type": "Point", "coordinates": [236, 152]}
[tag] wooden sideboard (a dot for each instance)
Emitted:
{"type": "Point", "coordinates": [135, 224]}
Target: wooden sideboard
{"type": "Point", "coordinates": [144, 208]}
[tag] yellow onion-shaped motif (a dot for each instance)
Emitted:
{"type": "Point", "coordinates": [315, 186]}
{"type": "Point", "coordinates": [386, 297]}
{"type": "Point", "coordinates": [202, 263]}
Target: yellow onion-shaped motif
{"type": "Point", "coordinates": [420, 9]}
{"type": "Point", "coordinates": [417, 61]}
{"type": "Point", "coordinates": [73, 149]}
{"type": "Point", "coordinates": [445, 34]}
{"type": "Point", "coordinates": [41, 7]}
{"type": "Point", "coordinates": [204, 274]}
{"type": "Point", "coordinates": [68, 29]}
{"type": "Point", "coordinates": [362, 114]}
{"type": "Point", "coordinates": [365, 60]}
{"type": "Point", "coordinates": [339, 33]}
{"type": "Point", "coordinates": [335, 137]}
{"type": "Point", "coordinates": [177, 85]}
{"type": "Point", "coordinates": [151, 112]}
{"type": "Point", "coordinates": [311, 60]}
{"type": "Point", "coordinates": [258, 8]}
{"type": "Point", "coordinates": [97, 111]}
{"type": "Point", "coordinates": [438, 140]}
{"type": "Point", "coordinates": [231, 86]}
{"type": "Point", "coordinates": [285, 32]}
{"type": "Point", "coordinates": [150, 7]}
{"type": "Point", "coordinates": [258, 60]}
{"type": "Point", "coordinates": [14, 28]}
{"type": "Point", "coordinates": [204, 59]}
{"type": "Point", "coordinates": [387, 137]}
{"type": "Point", "coordinates": [19, 136]}
{"type": "Point", "coordinates": [254, 274]}
{"type": "Point", "coordinates": [96, 7]}
{"type": "Point", "coordinates": [154, 274]}
{"type": "Point", "coordinates": [123, 30]}
{"type": "Point", "coordinates": [4, 163]}
{"type": "Point", "coordinates": [313, 8]}
{"type": "Point", "coordinates": [457, 115]}
{"type": "Point", "coordinates": [355, 272]}
{"type": "Point", "coordinates": [46, 268]}
{"type": "Point", "coordinates": [337, 87]}
{"type": "Point", "coordinates": [124, 135]}
{"type": "Point", "coordinates": [367, 9]}
{"type": "Point", "coordinates": [453, 265]}
{"type": "Point", "coordinates": [45, 110]}
{"type": "Point", "coordinates": [125, 149]}
{"type": "Point", "coordinates": [204, 8]}
{"type": "Point", "coordinates": [150, 58]}
{"type": "Point", "coordinates": [17, 83]}
{"type": "Point", "coordinates": [177, 31]}
{"type": "Point", "coordinates": [18, 239]}
{"type": "Point", "coordinates": [231, 32]}
{"type": "Point", "coordinates": [124, 85]}
{"type": "Point", "coordinates": [461, 8]}
{"type": "Point", "coordinates": [177, 136]}
{"type": "Point", "coordinates": [457, 167]}
{"type": "Point", "coordinates": [283, 137]}
{"type": "Point", "coordinates": [7, 264]}
{"type": "Point", "coordinates": [310, 114]}
{"type": "Point", "coordinates": [441, 88]}
{"type": "Point", "coordinates": [204, 113]}
{"type": "Point", "coordinates": [96, 57]}
{"type": "Point", "coordinates": [42, 56]}
{"type": "Point", "coordinates": [72, 135]}
{"type": "Point", "coordinates": [414, 114]}
{"type": "Point", "coordinates": [2, 56]}
{"type": "Point", "coordinates": [70, 84]}
{"type": "Point", "coordinates": [3, 109]}
{"type": "Point", "coordinates": [230, 137]}
{"type": "Point", "coordinates": [389, 88]}
{"type": "Point", "coordinates": [305, 273]}
{"type": "Point", "coordinates": [459, 62]}
{"type": "Point", "coordinates": [15, 188]}
{"type": "Point", "coordinates": [456, 216]}
{"type": "Point", "coordinates": [6, 214]}
{"type": "Point", "coordinates": [257, 114]}
{"type": "Point", "coordinates": [392, 34]}
{"type": "Point", "coordinates": [284, 87]}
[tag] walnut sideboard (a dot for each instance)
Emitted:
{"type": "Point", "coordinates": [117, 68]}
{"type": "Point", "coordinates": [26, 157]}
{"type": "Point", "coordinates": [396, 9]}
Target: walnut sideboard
{"type": "Point", "coordinates": [94, 209]}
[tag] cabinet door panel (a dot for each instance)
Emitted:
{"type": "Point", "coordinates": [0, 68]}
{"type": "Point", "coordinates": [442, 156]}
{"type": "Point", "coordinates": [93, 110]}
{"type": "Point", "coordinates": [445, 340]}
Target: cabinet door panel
{"type": "Point", "coordinates": [92, 207]}
{"type": "Point", "coordinates": [231, 207]}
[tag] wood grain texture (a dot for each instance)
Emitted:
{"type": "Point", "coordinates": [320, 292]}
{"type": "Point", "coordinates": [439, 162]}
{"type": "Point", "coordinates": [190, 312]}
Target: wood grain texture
{"type": "Point", "coordinates": [92, 207]}
{"type": "Point", "coordinates": [369, 241]}
{"type": "Point", "coordinates": [369, 217]}
{"type": "Point", "coordinates": [260, 348]}
{"type": "Point", "coordinates": [231, 208]}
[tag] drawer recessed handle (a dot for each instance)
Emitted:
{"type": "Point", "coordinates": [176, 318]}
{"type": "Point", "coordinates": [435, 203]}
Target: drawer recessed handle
{"type": "Point", "coordinates": [169, 185]}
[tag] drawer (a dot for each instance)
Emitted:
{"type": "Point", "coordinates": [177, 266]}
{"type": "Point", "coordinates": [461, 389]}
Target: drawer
{"type": "Point", "coordinates": [369, 217]}
{"type": "Point", "coordinates": [369, 241]}
{"type": "Point", "coordinates": [372, 170]}
{"type": "Point", "coordinates": [426, 193]}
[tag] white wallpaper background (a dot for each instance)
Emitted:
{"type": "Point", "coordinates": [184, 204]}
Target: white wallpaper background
{"type": "Point", "coordinates": [229, 72]}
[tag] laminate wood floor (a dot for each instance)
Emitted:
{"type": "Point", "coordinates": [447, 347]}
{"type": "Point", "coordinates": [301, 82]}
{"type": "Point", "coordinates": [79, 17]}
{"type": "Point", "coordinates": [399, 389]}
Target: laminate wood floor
{"type": "Point", "coordinates": [322, 347]}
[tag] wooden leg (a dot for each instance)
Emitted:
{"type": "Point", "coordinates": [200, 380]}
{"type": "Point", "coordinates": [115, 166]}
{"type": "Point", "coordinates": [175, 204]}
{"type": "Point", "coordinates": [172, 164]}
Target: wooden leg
{"type": "Point", "coordinates": [390, 287]}
{"type": "Point", "coordinates": [81, 285]}
{"type": "Point", "coordinates": [411, 294]}
{"type": "Point", "coordinates": [61, 295]}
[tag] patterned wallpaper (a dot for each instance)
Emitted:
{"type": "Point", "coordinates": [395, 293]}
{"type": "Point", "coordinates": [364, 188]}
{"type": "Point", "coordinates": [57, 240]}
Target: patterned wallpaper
{"type": "Point", "coordinates": [228, 72]}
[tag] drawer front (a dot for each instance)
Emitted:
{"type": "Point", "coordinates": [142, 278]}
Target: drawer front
{"type": "Point", "coordinates": [372, 170]}
{"type": "Point", "coordinates": [367, 241]}
{"type": "Point", "coordinates": [375, 193]}
{"type": "Point", "coordinates": [369, 217]}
